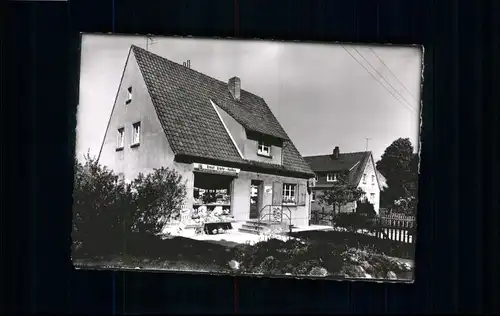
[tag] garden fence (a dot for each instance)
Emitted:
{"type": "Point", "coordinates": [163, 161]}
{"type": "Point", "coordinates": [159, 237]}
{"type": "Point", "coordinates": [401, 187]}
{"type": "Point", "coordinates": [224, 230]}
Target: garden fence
{"type": "Point", "coordinates": [397, 227]}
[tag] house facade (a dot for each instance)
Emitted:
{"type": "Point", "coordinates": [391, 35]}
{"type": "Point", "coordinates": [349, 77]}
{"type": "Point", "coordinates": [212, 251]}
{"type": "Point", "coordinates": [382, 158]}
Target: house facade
{"type": "Point", "coordinates": [357, 168]}
{"type": "Point", "coordinates": [224, 141]}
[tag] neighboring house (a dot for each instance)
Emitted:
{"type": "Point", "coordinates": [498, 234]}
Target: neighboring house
{"type": "Point", "coordinates": [357, 168]}
{"type": "Point", "coordinates": [224, 141]}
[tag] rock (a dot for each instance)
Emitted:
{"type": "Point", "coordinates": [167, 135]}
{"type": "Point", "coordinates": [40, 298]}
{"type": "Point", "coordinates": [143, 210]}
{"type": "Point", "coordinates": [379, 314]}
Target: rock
{"type": "Point", "coordinates": [318, 271]}
{"type": "Point", "coordinates": [234, 265]}
{"type": "Point", "coordinates": [391, 275]}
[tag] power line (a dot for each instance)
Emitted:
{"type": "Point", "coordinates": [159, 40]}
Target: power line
{"type": "Point", "coordinates": [392, 73]}
{"type": "Point", "coordinates": [376, 79]}
{"type": "Point", "coordinates": [388, 83]}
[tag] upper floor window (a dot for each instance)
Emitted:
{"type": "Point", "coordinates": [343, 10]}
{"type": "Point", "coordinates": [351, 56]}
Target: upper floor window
{"type": "Point", "coordinates": [289, 193]}
{"type": "Point", "coordinates": [264, 149]}
{"type": "Point", "coordinates": [120, 139]}
{"type": "Point", "coordinates": [331, 177]}
{"type": "Point", "coordinates": [136, 136]}
{"type": "Point", "coordinates": [129, 95]}
{"type": "Point", "coordinates": [364, 178]}
{"type": "Point", "coordinates": [373, 179]}
{"type": "Point", "coordinates": [372, 198]}
{"type": "Point", "coordinates": [313, 195]}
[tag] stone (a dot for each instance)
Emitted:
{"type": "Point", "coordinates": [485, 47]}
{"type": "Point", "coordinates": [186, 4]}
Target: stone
{"type": "Point", "coordinates": [234, 265]}
{"type": "Point", "coordinates": [318, 271]}
{"type": "Point", "coordinates": [391, 275]}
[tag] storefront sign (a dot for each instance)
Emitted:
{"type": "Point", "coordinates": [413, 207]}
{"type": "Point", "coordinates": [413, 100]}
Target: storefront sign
{"type": "Point", "coordinates": [268, 189]}
{"type": "Point", "coordinates": [215, 169]}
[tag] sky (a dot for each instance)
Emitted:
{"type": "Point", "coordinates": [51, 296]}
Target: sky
{"type": "Point", "coordinates": [324, 95]}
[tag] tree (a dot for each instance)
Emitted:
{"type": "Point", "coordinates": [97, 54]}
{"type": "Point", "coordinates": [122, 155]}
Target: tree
{"type": "Point", "coordinates": [399, 165]}
{"type": "Point", "coordinates": [158, 197]}
{"type": "Point", "coordinates": [340, 194]}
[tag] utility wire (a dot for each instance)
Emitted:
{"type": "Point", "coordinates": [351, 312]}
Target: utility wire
{"type": "Point", "coordinates": [392, 73]}
{"type": "Point", "coordinates": [376, 79]}
{"type": "Point", "coordinates": [382, 77]}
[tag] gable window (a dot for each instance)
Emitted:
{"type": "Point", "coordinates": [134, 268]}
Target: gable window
{"type": "Point", "coordinates": [372, 198]}
{"type": "Point", "coordinates": [120, 139]}
{"type": "Point", "coordinates": [373, 179]}
{"type": "Point", "coordinates": [364, 178]}
{"type": "Point", "coordinates": [129, 95]}
{"type": "Point", "coordinates": [331, 177]}
{"type": "Point", "coordinates": [289, 196]}
{"type": "Point", "coordinates": [136, 134]}
{"type": "Point", "coordinates": [264, 149]}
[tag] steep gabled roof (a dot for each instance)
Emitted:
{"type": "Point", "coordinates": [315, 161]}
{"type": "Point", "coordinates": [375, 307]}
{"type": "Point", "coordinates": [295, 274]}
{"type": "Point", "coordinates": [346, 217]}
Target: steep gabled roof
{"type": "Point", "coordinates": [355, 163]}
{"type": "Point", "coordinates": [181, 97]}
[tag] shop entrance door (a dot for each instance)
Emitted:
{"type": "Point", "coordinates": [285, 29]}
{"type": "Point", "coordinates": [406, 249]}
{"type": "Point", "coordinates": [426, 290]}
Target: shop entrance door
{"type": "Point", "coordinates": [255, 198]}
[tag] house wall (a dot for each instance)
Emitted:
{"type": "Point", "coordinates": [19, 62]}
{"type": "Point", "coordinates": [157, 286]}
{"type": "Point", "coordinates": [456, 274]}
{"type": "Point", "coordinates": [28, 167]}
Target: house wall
{"type": "Point", "coordinates": [154, 150]}
{"type": "Point", "coordinates": [371, 187]}
{"type": "Point", "coordinates": [367, 186]}
{"type": "Point", "coordinates": [240, 198]}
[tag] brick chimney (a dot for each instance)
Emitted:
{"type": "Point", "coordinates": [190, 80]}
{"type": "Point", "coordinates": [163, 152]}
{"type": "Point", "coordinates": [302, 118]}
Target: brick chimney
{"type": "Point", "coordinates": [336, 152]}
{"type": "Point", "coordinates": [234, 86]}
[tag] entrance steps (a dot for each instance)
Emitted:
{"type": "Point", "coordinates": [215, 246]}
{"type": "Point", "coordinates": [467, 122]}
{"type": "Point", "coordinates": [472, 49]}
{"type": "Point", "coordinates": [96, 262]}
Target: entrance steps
{"type": "Point", "coordinates": [258, 228]}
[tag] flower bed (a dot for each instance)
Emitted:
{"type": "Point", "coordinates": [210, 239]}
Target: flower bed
{"type": "Point", "coordinates": [353, 240]}
{"type": "Point", "coordinates": [270, 257]}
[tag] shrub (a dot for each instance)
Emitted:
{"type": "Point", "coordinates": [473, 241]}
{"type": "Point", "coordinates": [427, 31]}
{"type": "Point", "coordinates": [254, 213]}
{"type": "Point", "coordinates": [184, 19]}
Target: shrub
{"type": "Point", "coordinates": [100, 202]}
{"type": "Point", "coordinates": [353, 240]}
{"type": "Point", "coordinates": [158, 197]}
{"type": "Point", "coordinates": [354, 221]}
{"type": "Point", "coordinates": [366, 208]}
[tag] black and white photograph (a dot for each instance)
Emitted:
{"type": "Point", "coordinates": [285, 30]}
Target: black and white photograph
{"type": "Point", "coordinates": [247, 157]}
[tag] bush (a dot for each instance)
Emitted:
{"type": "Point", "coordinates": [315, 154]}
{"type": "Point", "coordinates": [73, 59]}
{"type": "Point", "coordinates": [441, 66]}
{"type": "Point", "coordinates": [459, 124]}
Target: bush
{"type": "Point", "coordinates": [157, 198]}
{"type": "Point", "coordinates": [100, 203]}
{"type": "Point", "coordinates": [107, 210]}
{"type": "Point", "coordinates": [354, 221]}
{"type": "Point", "coordinates": [354, 240]}
{"type": "Point", "coordinates": [366, 208]}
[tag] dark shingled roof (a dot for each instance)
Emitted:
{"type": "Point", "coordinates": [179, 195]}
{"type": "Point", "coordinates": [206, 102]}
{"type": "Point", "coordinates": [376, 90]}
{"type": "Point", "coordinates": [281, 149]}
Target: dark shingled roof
{"type": "Point", "coordinates": [346, 161]}
{"type": "Point", "coordinates": [181, 97]}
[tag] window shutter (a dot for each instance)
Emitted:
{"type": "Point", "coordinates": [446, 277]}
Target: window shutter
{"type": "Point", "coordinates": [277, 193]}
{"type": "Point", "coordinates": [301, 189]}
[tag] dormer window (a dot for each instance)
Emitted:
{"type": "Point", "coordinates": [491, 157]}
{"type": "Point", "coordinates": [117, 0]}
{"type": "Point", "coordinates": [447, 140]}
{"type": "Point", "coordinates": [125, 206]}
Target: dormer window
{"type": "Point", "coordinates": [264, 149]}
{"type": "Point", "coordinates": [129, 95]}
{"type": "Point", "coordinates": [331, 177]}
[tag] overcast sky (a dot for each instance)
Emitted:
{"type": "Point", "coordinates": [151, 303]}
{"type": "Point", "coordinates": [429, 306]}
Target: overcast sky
{"type": "Point", "coordinates": [322, 96]}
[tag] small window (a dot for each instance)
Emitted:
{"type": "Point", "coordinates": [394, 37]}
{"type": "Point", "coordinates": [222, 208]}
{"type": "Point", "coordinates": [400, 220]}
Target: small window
{"type": "Point", "coordinates": [289, 194]}
{"type": "Point", "coordinates": [364, 178]}
{"type": "Point", "coordinates": [264, 149]}
{"type": "Point", "coordinates": [331, 177]}
{"type": "Point", "coordinates": [313, 196]}
{"type": "Point", "coordinates": [372, 198]}
{"type": "Point", "coordinates": [129, 95]}
{"type": "Point", "coordinates": [120, 140]}
{"type": "Point", "coordinates": [373, 179]}
{"type": "Point", "coordinates": [136, 137]}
